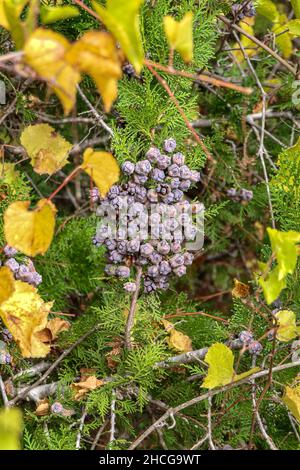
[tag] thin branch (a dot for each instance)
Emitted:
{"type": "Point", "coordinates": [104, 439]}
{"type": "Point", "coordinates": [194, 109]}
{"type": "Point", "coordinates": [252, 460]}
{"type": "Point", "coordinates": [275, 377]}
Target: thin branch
{"type": "Point", "coordinates": [131, 314]}
{"type": "Point", "coordinates": [205, 396]}
{"type": "Point", "coordinates": [263, 125]}
{"type": "Point", "coordinates": [257, 415]}
{"type": "Point", "coordinates": [94, 112]}
{"type": "Point", "coordinates": [180, 110]}
{"type": "Point", "coordinates": [3, 393]}
{"type": "Point", "coordinates": [112, 417]}
{"type": "Point", "coordinates": [209, 434]}
{"type": "Point", "coordinates": [259, 43]}
{"type": "Point", "coordinates": [98, 435]}
{"type": "Point", "coordinates": [25, 391]}
{"type": "Point", "coordinates": [81, 424]}
{"type": "Point", "coordinates": [216, 81]}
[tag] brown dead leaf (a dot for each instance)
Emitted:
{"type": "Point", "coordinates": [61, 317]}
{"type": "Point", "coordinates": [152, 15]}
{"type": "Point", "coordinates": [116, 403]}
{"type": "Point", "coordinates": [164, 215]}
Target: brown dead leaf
{"type": "Point", "coordinates": [42, 408]}
{"type": "Point", "coordinates": [82, 388]}
{"type": "Point", "coordinates": [240, 289]}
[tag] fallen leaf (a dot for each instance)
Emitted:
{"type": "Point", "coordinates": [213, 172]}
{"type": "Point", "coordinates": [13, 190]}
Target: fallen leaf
{"type": "Point", "coordinates": [30, 231]}
{"type": "Point", "coordinates": [44, 52]}
{"type": "Point", "coordinates": [11, 425]}
{"type": "Point", "coordinates": [7, 284]}
{"type": "Point", "coordinates": [91, 383]}
{"type": "Point", "coordinates": [57, 326]}
{"type": "Point", "coordinates": [292, 400]}
{"type": "Point", "coordinates": [240, 289]}
{"type": "Point", "coordinates": [95, 53]}
{"type": "Point", "coordinates": [122, 20]}
{"type": "Point", "coordinates": [25, 314]}
{"type": "Point", "coordinates": [47, 149]}
{"type": "Point", "coordinates": [180, 35]}
{"type": "Point", "coordinates": [102, 168]}
{"type": "Point", "coordinates": [220, 359]}
{"type": "Point", "coordinates": [43, 407]}
{"type": "Point", "coordinates": [287, 329]}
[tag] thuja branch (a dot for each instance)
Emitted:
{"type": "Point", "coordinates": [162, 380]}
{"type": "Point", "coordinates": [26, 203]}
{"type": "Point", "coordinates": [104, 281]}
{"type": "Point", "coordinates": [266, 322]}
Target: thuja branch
{"type": "Point", "coordinates": [176, 103]}
{"type": "Point", "coordinates": [218, 82]}
{"type": "Point", "coordinates": [205, 396]}
{"type": "Point", "coordinates": [131, 314]}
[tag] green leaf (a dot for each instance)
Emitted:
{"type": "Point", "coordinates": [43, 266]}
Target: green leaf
{"type": "Point", "coordinates": [284, 247]}
{"type": "Point", "coordinates": [122, 20]}
{"type": "Point", "coordinates": [221, 372]}
{"type": "Point", "coordinates": [10, 429]}
{"type": "Point", "coordinates": [53, 14]}
{"type": "Point", "coordinates": [272, 285]}
{"type": "Point", "coordinates": [268, 9]}
{"type": "Point", "coordinates": [294, 27]}
{"type": "Point", "coordinates": [296, 7]}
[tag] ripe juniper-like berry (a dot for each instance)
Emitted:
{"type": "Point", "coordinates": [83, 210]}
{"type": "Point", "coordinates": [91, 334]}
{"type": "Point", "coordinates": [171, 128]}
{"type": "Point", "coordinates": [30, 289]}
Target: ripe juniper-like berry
{"type": "Point", "coordinates": [158, 182]}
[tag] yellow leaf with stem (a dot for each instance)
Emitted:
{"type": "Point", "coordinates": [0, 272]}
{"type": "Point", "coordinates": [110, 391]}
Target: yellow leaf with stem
{"type": "Point", "coordinates": [220, 359]}
{"type": "Point", "coordinates": [287, 328]}
{"type": "Point", "coordinates": [95, 54]}
{"type": "Point", "coordinates": [30, 231]}
{"type": "Point", "coordinates": [7, 284]}
{"type": "Point", "coordinates": [122, 20]}
{"type": "Point", "coordinates": [283, 37]}
{"type": "Point", "coordinates": [47, 149]}
{"type": "Point", "coordinates": [45, 53]}
{"type": "Point", "coordinates": [24, 314]}
{"type": "Point", "coordinates": [292, 400]}
{"type": "Point", "coordinates": [102, 168]}
{"type": "Point", "coordinates": [180, 35]}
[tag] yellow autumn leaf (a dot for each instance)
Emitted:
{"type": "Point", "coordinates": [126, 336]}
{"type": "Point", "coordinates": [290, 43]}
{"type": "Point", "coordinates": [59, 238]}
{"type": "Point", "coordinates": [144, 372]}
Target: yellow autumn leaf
{"type": "Point", "coordinates": [30, 231]}
{"type": "Point", "coordinates": [283, 37]}
{"type": "Point", "coordinates": [95, 53]}
{"type": "Point", "coordinates": [11, 425]}
{"type": "Point", "coordinates": [102, 168]}
{"type": "Point", "coordinates": [240, 289]}
{"type": "Point", "coordinates": [292, 400]}
{"type": "Point", "coordinates": [25, 314]}
{"type": "Point", "coordinates": [220, 359]}
{"type": "Point", "coordinates": [180, 35]}
{"type": "Point", "coordinates": [8, 174]}
{"type": "Point", "coordinates": [249, 46]}
{"type": "Point", "coordinates": [45, 52]}
{"type": "Point", "coordinates": [7, 284]}
{"type": "Point", "coordinates": [122, 20]}
{"type": "Point", "coordinates": [47, 149]}
{"type": "Point", "coordinates": [287, 329]}
{"type": "Point", "coordinates": [16, 5]}
{"type": "Point", "coordinates": [177, 340]}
